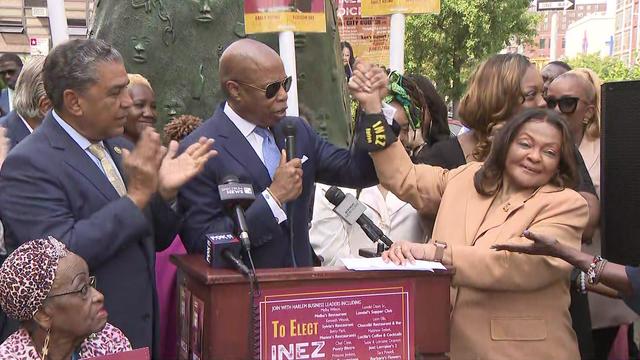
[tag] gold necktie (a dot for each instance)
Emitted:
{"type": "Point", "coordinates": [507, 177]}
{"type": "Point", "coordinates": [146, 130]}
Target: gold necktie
{"type": "Point", "coordinates": [112, 173]}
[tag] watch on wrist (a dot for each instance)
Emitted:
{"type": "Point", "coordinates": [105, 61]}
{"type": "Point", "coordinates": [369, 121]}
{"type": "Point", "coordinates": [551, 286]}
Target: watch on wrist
{"type": "Point", "coordinates": [440, 246]}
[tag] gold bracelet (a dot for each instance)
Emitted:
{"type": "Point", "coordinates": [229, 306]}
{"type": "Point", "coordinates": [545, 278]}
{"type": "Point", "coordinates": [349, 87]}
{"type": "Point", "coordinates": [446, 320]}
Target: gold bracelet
{"type": "Point", "coordinates": [274, 198]}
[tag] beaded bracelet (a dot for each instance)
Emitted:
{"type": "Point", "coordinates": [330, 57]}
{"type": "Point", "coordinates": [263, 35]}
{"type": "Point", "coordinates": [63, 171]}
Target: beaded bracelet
{"type": "Point", "coordinates": [582, 283]}
{"type": "Point", "coordinates": [595, 269]}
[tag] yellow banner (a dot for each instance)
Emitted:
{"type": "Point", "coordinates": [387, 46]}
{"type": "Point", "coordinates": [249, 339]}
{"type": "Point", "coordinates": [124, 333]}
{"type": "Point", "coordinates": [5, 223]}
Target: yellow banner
{"type": "Point", "coordinates": [286, 21]}
{"type": "Point", "coordinates": [262, 16]}
{"type": "Point", "coordinates": [387, 7]}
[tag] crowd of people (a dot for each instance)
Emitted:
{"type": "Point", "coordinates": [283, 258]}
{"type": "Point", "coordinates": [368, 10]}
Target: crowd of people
{"type": "Point", "coordinates": [92, 203]}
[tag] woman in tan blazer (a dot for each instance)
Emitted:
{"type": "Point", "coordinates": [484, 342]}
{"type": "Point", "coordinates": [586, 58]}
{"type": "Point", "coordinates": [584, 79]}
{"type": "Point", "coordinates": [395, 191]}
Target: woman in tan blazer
{"type": "Point", "coordinates": [504, 305]}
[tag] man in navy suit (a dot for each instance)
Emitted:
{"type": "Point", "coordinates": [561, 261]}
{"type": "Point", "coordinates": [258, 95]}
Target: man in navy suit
{"type": "Point", "coordinates": [248, 129]}
{"type": "Point", "coordinates": [75, 179]}
{"type": "Point", "coordinates": [10, 66]}
{"type": "Point", "coordinates": [30, 100]}
{"type": "Point", "coordinates": [31, 104]}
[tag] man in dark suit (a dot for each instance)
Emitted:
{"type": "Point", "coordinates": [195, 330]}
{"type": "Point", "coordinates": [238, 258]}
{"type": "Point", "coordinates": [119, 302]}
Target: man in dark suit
{"type": "Point", "coordinates": [30, 100]}
{"type": "Point", "coordinates": [75, 179]}
{"type": "Point", "coordinates": [248, 129]}
{"type": "Point", "coordinates": [31, 104]}
{"type": "Point", "coordinates": [10, 66]}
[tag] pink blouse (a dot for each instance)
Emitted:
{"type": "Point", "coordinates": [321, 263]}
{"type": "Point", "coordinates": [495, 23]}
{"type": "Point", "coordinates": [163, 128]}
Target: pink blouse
{"type": "Point", "coordinates": [110, 340]}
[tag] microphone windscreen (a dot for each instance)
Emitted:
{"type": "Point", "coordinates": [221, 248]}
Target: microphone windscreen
{"type": "Point", "coordinates": [230, 179]}
{"type": "Point", "coordinates": [289, 128]}
{"type": "Point", "coordinates": [334, 195]}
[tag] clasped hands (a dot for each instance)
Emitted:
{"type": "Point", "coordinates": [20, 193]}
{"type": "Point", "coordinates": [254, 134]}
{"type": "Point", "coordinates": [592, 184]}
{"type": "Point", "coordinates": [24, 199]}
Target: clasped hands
{"type": "Point", "coordinates": [368, 85]}
{"type": "Point", "coordinates": [151, 167]}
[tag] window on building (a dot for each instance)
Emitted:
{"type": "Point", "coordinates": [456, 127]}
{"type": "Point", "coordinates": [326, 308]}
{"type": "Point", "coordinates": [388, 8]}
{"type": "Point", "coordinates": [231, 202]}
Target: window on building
{"type": "Point", "coordinates": [11, 20]}
{"type": "Point", "coordinates": [543, 43]}
{"type": "Point", "coordinates": [564, 42]}
{"type": "Point", "coordinates": [35, 3]}
{"type": "Point", "coordinates": [77, 27]}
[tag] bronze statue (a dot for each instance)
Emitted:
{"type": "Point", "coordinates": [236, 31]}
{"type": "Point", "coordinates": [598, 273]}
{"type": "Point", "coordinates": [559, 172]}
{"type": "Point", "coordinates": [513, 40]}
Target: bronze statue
{"type": "Point", "coordinates": [177, 44]}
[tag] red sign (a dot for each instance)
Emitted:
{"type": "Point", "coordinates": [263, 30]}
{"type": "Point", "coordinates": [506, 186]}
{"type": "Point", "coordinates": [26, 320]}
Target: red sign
{"type": "Point", "coordinates": [337, 323]}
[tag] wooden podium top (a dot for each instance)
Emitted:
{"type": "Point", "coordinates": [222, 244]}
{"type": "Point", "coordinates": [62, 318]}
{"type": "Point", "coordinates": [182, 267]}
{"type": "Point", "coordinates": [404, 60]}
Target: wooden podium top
{"type": "Point", "coordinates": [197, 268]}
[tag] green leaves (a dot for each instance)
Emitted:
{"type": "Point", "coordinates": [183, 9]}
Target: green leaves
{"type": "Point", "coordinates": [446, 46]}
{"type": "Point", "coordinates": [608, 68]}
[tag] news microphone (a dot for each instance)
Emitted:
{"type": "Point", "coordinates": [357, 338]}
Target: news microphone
{"type": "Point", "coordinates": [352, 211]}
{"type": "Point", "coordinates": [223, 252]}
{"type": "Point", "coordinates": [290, 139]}
{"type": "Point", "coordinates": [290, 148]}
{"type": "Point", "coordinates": [237, 196]}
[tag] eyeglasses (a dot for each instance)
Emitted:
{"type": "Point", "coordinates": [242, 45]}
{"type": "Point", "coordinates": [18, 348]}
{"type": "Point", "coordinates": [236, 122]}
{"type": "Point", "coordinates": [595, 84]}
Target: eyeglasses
{"type": "Point", "coordinates": [566, 104]}
{"type": "Point", "coordinates": [84, 290]}
{"type": "Point", "coordinates": [272, 89]}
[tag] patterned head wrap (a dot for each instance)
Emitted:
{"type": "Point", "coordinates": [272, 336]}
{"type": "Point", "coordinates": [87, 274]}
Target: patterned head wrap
{"type": "Point", "coordinates": [27, 275]}
{"type": "Point", "coordinates": [398, 93]}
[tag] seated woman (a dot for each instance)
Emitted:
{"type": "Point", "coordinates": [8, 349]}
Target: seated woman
{"type": "Point", "coordinates": [143, 112]}
{"type": "Point", "coordinates": [49, 290]}
{"type": "Point", "coordinates": [504, 305]}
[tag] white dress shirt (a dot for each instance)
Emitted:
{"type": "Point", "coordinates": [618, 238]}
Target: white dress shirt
{"type": "Point", "coordinates": [333, 238]}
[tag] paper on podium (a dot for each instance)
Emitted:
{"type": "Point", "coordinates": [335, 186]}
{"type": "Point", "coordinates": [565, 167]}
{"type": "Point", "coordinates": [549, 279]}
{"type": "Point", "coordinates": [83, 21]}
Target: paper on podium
{"type": "Point", "coordinates": [377, 263]}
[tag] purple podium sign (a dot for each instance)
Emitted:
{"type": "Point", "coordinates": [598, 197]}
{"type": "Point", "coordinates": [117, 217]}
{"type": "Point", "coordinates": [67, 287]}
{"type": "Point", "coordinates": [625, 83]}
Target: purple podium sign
{"type": "Point", "coordinates": [332, 322]}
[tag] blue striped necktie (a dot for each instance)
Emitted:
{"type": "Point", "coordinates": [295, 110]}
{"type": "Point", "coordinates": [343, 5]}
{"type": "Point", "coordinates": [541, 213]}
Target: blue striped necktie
{"type": "Point", "coordinates": [270, 151]}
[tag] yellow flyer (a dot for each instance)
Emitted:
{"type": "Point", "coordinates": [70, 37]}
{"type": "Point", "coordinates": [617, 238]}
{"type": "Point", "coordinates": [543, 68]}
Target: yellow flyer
{"type": "Point", "coordinates": [387, 7]}
{"type": "Point", "coordinates": [263, 16]}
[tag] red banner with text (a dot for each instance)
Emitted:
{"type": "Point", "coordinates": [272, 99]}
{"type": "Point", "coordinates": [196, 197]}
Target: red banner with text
{"type": "Point", "coordinates": [329, 322]}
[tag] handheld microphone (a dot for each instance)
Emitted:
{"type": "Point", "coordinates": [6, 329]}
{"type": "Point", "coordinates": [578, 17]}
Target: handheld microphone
{"type": "Point", "coordinates": [223, 252]}
{"type": "Point", "coordinates": [290, 148]}
{"type": "Point", "coordinates": [237, 196]}
{"type": "Point", "coordinates": [290, 139]}
{"type": "Point", "coordinates": [352, 211]}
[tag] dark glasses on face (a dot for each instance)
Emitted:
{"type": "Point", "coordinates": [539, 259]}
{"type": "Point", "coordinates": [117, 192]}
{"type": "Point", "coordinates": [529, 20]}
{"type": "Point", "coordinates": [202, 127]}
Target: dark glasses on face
{"type": "Point", "coordinates": [566, 104]}
{"type": "Point", "coordinates": [272, 89]}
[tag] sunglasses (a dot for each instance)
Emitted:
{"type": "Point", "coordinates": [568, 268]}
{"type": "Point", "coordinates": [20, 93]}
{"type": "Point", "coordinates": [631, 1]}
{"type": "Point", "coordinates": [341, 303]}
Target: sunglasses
{"type": "Point", "coordinates": [566, 104]}
{"type": "Point", "coordinates": [272, 89]}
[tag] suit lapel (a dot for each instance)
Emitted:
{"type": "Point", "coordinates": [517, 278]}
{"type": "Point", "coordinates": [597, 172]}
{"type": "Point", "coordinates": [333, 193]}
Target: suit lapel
{"type": "Point", "coordinates": [239, 148]}
{"type": "Point", "coordinates": [498, 217]}
{"type": "Point", "coordinates": [477, 207]}
{"type": "Point", "coordinates": [17, 128]}
{"type": "Point", "coordinates": [77, 158]}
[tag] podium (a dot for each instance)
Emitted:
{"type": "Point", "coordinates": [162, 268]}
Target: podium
{"type": "Point", "coordinates": [315, 312]}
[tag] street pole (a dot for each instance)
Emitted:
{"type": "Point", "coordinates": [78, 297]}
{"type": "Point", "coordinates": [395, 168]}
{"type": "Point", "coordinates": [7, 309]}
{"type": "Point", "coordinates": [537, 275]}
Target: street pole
{"type": "Point", "coordinates": [396, 60]}
{"type": "Point", "coordinates": [553, 51]}
{"type": "Point", "coordinates": [57, 22]}
{"type": "Point", "coordinates": [288, 55]}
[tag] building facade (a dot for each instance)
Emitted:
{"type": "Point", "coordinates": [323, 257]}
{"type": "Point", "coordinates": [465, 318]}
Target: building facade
{"type": "Point", "coordinates": [625, 40]}
{"type": "Point", "coordinates": [540, 50]}
{"type": "Point", "coordinates": [25, 22]}
{"type": "Point", "coordinates": [591, 34]}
